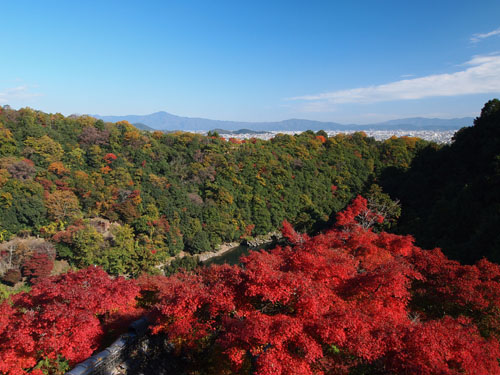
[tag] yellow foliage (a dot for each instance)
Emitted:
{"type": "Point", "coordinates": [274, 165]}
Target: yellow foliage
{"type": "Point", "coordinates": [157, 181]}
{"type": "Point", "coordinates": [3, 235]}
{"type": "Point", "coordinates": [5, 199]}
{"type": "Point", "coordinates": [46, 147]}
{"type": "Point", "coordinates": [225, 196]}
{"type": "Point", "coordinates": [52, 228]}
{"type": "Point", "coordinates": [411, 142]}
{"type": "Point", "coordinates": [77, 155]}
{"type": "Point", "coordinates": [315, 143]}
{"type": "Point", "coordinates": [302, 152]}
{"type": "Point", "coordinates": [127, 126]}
{"type": "Point", "coordinates": [261, 179]}
{"type": "Point", "coordinates": [5, 134]}
{"type": "Point", "coordinates": [138, 174]}
{"type": "Point", "coordinates": [4, 176]}
{"type": "Point", "coordinates": [86, 121]}
{"type": "Point", "coordinates": [236, 181]}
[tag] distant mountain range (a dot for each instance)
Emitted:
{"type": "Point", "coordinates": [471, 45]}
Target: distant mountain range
{"type": "Point", "coordinates": [168, 122]}
{"type": "Point", "coordinates": [140, 125]}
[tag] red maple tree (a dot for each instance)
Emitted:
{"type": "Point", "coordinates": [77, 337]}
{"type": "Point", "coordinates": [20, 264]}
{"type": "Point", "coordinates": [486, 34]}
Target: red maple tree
{"type": "Point", "coordinates": [62, 316]}
{"type": "Point", "coordinates": [37, 266]}
{"type": "Point", "coordinates": [343, 300]}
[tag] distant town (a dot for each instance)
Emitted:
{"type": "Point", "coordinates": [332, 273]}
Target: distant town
{"type": "Point", "coordinates": [429, 135]}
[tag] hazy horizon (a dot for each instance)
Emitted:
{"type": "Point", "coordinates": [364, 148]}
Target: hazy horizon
{"type": "Point", "coordinates": [281, 120]}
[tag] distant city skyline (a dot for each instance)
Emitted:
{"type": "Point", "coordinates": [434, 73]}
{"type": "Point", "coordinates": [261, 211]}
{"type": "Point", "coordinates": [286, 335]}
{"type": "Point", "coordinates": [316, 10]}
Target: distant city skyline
{"type": "Point", "coordinates": [361, 62]}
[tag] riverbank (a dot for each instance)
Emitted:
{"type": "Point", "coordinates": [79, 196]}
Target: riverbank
{"type": "Point", "coordinates": [251, 243]}
{"type": "Point", "coordinates": [228, 252]}
{"type": "Point", "coordinates": [224, 248]}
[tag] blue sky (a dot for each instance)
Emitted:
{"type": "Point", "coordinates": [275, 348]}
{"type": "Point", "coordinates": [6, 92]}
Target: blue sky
{"type": "Point", "coordinates": [362, 61]}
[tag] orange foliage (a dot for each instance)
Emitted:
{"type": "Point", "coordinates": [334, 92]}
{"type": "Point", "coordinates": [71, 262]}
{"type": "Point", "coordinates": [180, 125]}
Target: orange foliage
{"type": "Point", "coordinates": [321, 138]}
{"type": "Point", "coordinates": [106, 169]}
{"type": "Point", "coordinates": [58, 168]}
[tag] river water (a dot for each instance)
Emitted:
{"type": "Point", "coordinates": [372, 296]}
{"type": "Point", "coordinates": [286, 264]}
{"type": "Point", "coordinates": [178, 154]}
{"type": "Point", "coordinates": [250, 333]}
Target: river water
{"type": "Point", "coordinates": [232, 256]}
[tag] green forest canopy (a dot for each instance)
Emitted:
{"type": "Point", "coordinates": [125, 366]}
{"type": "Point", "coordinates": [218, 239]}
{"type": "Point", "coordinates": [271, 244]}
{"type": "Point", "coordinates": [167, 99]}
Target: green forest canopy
{"type": "Point", "coordinates": [173, 192]}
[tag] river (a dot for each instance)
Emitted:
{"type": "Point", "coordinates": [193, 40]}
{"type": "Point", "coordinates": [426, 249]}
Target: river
{"type": "Point", "coordinates": [233, 256]}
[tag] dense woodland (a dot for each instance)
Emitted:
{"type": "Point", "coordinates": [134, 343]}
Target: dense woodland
{"type": "Point", "coordinates": [451, 195]}
{"type": "Point", "coordinates": [163, 193]}
{"type": "Point", "coordinates": [349, 298]}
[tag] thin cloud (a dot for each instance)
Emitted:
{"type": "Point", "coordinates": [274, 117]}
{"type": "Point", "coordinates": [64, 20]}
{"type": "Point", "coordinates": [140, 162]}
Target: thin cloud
{"type": "Point", "coordinates": [478, 37]}
{"type": "Point", "coordinates": [16, 93]}
{"type": "Point", "coordinates": [481, 77]}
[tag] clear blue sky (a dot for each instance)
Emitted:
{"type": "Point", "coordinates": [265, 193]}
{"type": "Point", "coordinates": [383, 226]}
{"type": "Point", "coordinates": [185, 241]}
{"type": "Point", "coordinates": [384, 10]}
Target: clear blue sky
{"type": "Point", "coordinates": [351, 61]}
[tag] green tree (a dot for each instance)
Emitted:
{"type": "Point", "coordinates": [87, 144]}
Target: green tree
{"type": "Point", "coordinates": [44, 149]}
{"type": "Point", "coordinates": [88, 245]}
{"type": "Point", "coordinates": [119, 257]}
{"type": "Point", "coordinates": [199, 243]}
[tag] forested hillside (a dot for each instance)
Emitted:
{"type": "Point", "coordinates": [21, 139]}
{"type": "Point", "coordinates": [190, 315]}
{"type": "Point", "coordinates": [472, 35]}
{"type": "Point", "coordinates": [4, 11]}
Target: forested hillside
{"type": "Point", "coordinates": [351, 299]}
{"type": "Point", "coordinates": [112, 195]}
{"type": "Point", "coordinates": [451, 196]}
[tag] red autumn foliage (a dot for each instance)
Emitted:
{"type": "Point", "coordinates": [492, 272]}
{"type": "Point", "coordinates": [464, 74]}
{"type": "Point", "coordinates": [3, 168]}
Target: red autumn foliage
{"type": "Point", "coordinates": [160, 224]}
{"type": "Point", "coordinates": [37, 266]}
{"type": "Point", "coordinates": [109, 158]}
{"type": "Point", "coordinates": [62, 185]}
{"type": "Point", "coordinates": [447, 346]}
{"type": "Point", "coordinates": [345, 299]}
{"type": "Point", "coordinates": [247, 231]}
{"type": "Point", "coordinates": [47, 184]}
{"type": "Point", "coordinates": [61, 316]}
{"type": "Point", "coordinates": [290, 234]}
{"type": "Point", "coordinates": [235, 141]}
{"type": "Point", "coordinates": [66, 235]}
{"type": "Point", "coordinates": [358, 214]}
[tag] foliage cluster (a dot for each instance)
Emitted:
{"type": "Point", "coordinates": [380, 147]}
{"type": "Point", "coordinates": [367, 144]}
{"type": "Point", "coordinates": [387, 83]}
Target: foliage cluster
{"type": "Point", "coordinates": [62, 320]}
